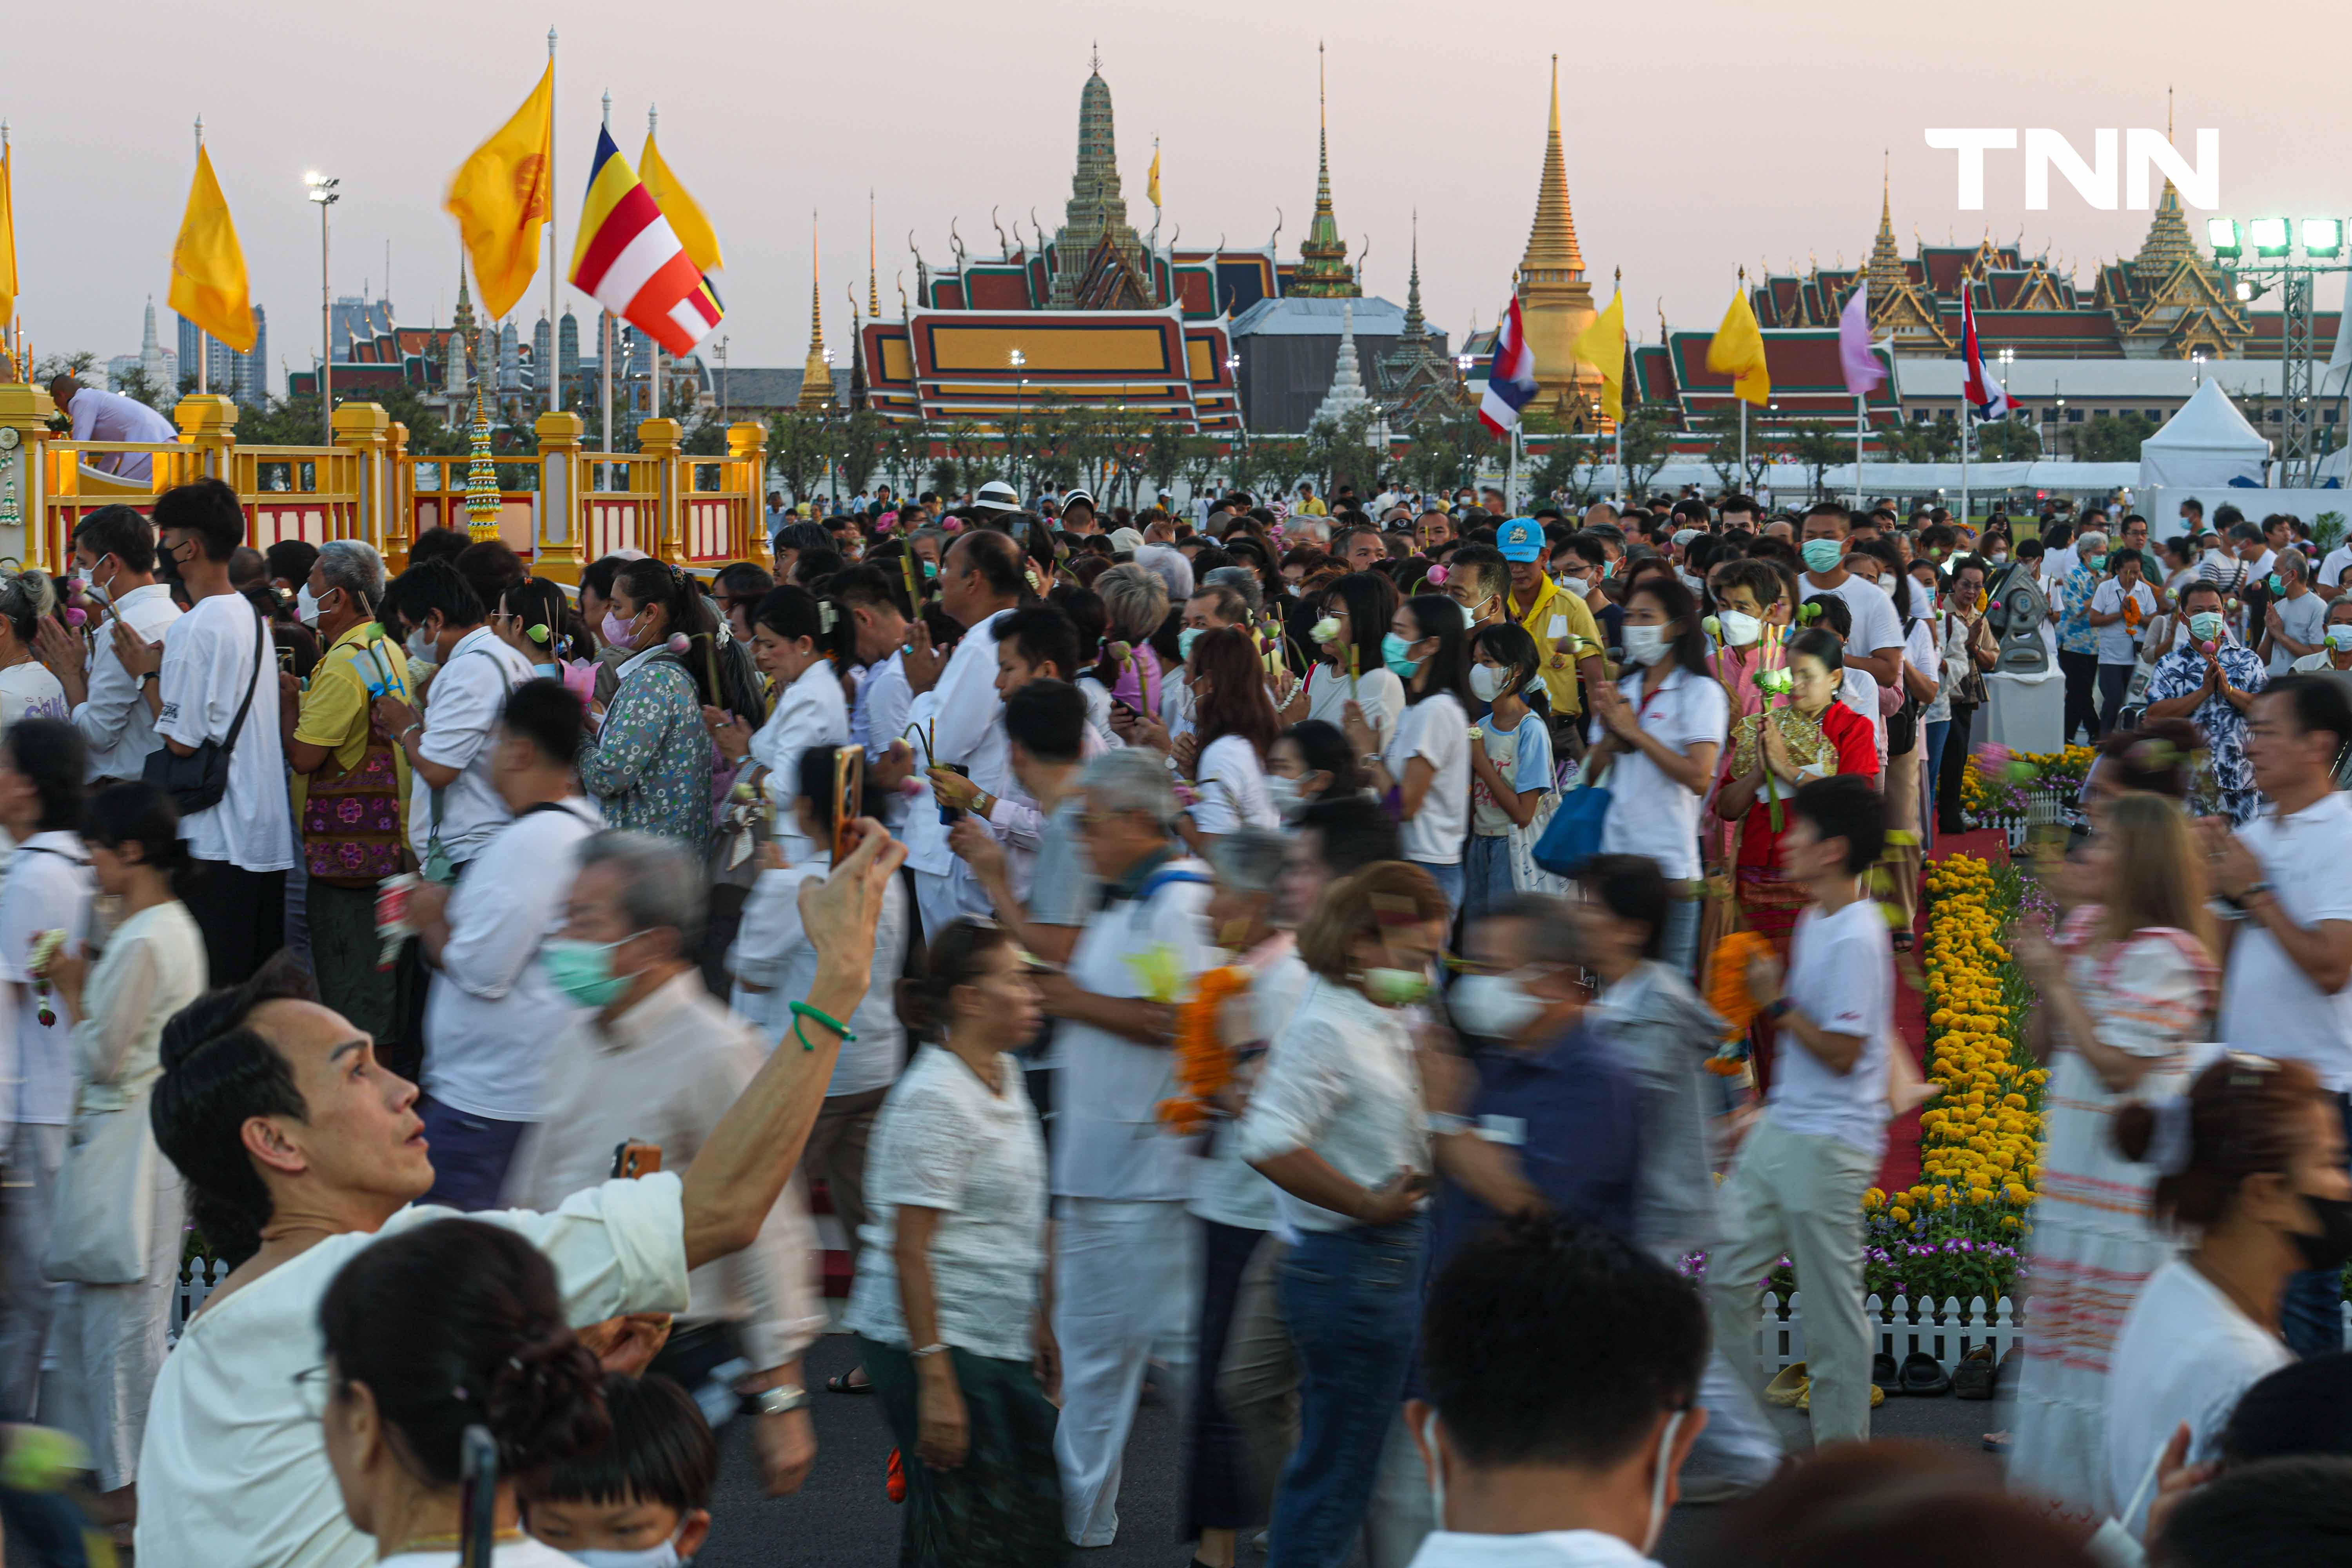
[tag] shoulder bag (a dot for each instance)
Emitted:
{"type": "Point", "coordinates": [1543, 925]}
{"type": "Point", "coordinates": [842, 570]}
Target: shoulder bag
{"type": "Point", "coordinates": [353, 834]}
{"type": "Point", "coordinates": [1573, 835]}
{"type": "Point", "coordinates": [198, 781]}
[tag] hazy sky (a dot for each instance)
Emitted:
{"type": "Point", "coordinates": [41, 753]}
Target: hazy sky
{"type": "Point", "coordinates": [1700, 135]}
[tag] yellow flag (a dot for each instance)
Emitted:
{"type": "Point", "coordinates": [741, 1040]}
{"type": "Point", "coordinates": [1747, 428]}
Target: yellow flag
{"type": "Point", "coordinates": [8, 249]}
{"type": "Point", "coordinates": [1152, 185]}
{"type": "Point", "coordinates": [499, 198]}
{"type": "Point", "coordinates": [685, 214]}
{"type": "Point", "coordinates": [1603, 346]}
{"type": "Point", "coordinates": [208, 282]}
{"type": "Point", "coordinates": [1737, 352]}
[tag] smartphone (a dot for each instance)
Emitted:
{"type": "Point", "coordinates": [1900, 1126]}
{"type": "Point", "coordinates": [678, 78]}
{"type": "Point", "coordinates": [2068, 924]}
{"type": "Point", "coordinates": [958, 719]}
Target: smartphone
{"type": "Point", "coordinates": [634, 1159]}
{"type": "Point", "coordinates": [848, 798]}
{"type": "Point", "coordinates": [477, 1498]}
{"type": "Point", "coordinates": [286, 660]}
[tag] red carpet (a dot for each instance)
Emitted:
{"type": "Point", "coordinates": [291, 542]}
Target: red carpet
{"type": "Point", "coordinates": [1900, 1168]}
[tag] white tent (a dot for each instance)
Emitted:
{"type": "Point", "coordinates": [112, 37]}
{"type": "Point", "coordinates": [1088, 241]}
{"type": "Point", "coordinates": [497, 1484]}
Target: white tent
{"type": "Point", "coordinates": [2207, 442]}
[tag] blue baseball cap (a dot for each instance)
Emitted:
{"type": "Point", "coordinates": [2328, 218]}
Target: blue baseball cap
{"type": "Point", "coordinates": [1520, 540]}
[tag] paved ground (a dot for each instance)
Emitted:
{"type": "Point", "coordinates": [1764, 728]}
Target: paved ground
{"type": "Point", "coordinates": [842, 1519]}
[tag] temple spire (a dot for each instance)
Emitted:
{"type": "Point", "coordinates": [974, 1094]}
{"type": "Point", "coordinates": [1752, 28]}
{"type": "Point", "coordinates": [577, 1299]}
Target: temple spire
{"type": "Point", "coordinates": [873, 275]}
{"type": "Point", "coordinates": [816, 371]}
{"type": "Point", "coordinates": [1416, 328]}
{"type": "Point", "coordinates": [1551, 243]}
{"type": "Point", "coordinates": [1323, 270]}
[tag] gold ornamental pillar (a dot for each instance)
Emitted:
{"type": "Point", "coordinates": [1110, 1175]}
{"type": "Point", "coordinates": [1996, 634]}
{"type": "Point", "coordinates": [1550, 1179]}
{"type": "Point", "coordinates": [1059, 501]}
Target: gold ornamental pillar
{"type": "Point", "coordinates": [658, 439]}
{"type": "Point", "coordinates": [747, 443]}
{"type": "Point", "coordinates": [400, 498]}
{"type": "Point", "coordinates": [26, 410]}
{"type": "Point", "coordinates": [207, 422]}
{"type": "Point", "coordinates": [558, 543]}
{"type": "Point", "coordinates": [365, 428]}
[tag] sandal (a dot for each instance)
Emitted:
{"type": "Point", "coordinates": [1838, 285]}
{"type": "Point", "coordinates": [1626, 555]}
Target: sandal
{"type": "Point", "coordinates": [839, 1382]}
{"type": "Point", "coordinates": [1924, 1376]}
{"type": "Point", "coordinates": [1805, 1400]}
{"type": "Point", "coordinates": [1883, 1374]}
{"type": "Point", "coordinates": [1789, 1387]}
{"type": "Point", "coordinates": [1975, 1376]}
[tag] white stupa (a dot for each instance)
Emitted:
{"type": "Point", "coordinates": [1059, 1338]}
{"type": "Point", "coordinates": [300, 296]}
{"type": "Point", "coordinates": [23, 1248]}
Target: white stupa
{"type": "Point", "coordinates": [1346, 393]}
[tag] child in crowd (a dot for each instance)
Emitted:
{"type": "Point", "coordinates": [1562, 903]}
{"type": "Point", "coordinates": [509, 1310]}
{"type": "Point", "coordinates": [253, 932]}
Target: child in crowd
{"type": "Point", "coordinates": [643, 1501]}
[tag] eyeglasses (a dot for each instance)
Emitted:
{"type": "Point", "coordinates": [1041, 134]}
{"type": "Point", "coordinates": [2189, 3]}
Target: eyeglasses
{"type": "Point", "coordinates": [314, 1388]}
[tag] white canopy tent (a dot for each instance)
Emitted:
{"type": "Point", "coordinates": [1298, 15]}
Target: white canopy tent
{"type": "Point", "coordinates": [2209, 442]}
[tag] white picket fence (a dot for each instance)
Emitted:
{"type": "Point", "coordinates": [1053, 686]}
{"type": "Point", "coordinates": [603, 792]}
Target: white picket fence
{"type": "Point", "coordinates": [198, 1278]}
{"type": "Point", "coordinates": [1948, 1331]}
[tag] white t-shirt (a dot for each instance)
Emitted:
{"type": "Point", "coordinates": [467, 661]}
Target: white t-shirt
{"type": "Point", "coordinates": [2303, 619]}
{"type": "Point", "coordinates": [1650, 814]}
{"type": "Point", "coordinates": [1869, 607]}
{"type": "Point", "coordinates": [1536, 1549]}
{"type": "Point", "coordinates": [1231, 781]}
{"type": "Point", "coordinates": [1435, 728]}
{"type": "Point", "coordinates": [2186, 1353]}
{"type": "Point", "coordinates": [2118, 644]}
{"type": "Point", "coordinates": [49, 888]}
{"type": "Point", "coordinates": [1523, 758]}
{"type": "Point", "coordinates": [491, 1014]}
{"type": "Point", "coordinates": [2333, 567]}
{"type": "Point", "coordinates": [527, 1552]}
{"type": "Point", "coordinates": [28, 691]}
{"type": "Point", "coordinates": [461, 713]}
{"type": "Point", "coordinates": [772, 950]}
{"type": "Point", "coordinates": [113, 718]}
{"type": "Point", "coordinates": [2267, 1003]}
{"type": "Point", "coordinates": [1842, 976]}
{"type": "Point", "coordinates": [208, 666]}
{"type": "Point", "coordinates": [809, 712]}
{"type": "Point", "coordinates": [946, 1141]}
{"type": "Point", "coordinates": [233, 1466]}
{"type": "Point", "coordinates": [1378, 692]}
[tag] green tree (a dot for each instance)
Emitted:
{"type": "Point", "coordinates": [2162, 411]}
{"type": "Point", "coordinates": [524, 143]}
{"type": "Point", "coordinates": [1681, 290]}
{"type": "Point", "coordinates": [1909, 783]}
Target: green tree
{"type": "Point", "coordinates": [1201, 456]}
{"type": "Point", "coordinates": [796, 452]}
{"type": "Point", "coordinates": [1647, 442]}
{"type": "Point", "coordinates": [1343, 451]}
{"type": "Point", "coordinates": [1163, 454]}
{"type": "Point", "coordinates": [2113, 437]}
{"type": "Point", "coordinates": [133, 383]}
{"type": "Point", "coordinates": [968, 444]}
{"type": "Point", "coordinates": [2010, 441]}
{"type": "Point", "coordinates": [1935, 441]}
{"type": "Point", "coordinates": [858, 444]}
{"type": "Point", "coordinates": [1812, 443]}
{"type": "Point", "coordinates": [1764, 445]}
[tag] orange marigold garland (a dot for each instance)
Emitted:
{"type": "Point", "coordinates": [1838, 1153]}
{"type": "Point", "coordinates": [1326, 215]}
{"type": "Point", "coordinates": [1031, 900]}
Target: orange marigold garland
{"type": "Point", "coordinates": [1726, 992]}
{"type": "Point", "coordinates": [1205, 1062]}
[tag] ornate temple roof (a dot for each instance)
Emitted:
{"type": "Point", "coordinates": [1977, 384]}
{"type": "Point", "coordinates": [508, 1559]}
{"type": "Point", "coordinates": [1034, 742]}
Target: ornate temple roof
{"type": "Point", "coordinates": [1097, 211]}
{"type": "Point", "coordinates": [1323, 271]}
{"type": "Point", "coordinates": [816, 375]}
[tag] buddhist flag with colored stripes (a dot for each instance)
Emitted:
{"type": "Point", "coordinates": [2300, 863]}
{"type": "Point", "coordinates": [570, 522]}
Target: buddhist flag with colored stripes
{"type": "Point", "coordinates": [629, 259]}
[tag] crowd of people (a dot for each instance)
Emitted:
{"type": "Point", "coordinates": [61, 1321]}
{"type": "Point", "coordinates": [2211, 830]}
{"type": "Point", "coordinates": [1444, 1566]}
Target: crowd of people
{"type": "Point", "coordinates": [1277, 956]}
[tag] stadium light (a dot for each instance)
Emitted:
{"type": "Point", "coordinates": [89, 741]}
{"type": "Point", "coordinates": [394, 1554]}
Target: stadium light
{"type": "Point", "coordinates": [2222, 234]}
{"type": "Point", "coordinates": [2269, 236]}
{"type": "Point", "coordinates": [2323, 237]}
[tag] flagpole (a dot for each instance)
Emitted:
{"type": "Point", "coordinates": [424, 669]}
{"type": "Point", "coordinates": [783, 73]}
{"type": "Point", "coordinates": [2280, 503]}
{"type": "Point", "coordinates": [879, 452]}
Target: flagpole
{"type": "Point", "coordinates": [604, 327]}
{"type": "Point", "coordinates": [1965, 421]}
{"type": "Point", "coordinates": [1860, 421]}
{"type": "Point", "coordinates": [552, 370]}
{"type": "Point", "coordinates": [203, 359]}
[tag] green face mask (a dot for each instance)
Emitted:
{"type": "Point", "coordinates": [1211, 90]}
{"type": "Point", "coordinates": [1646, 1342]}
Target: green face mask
{"type": "Point", "coordinates": [583, 970]}
{"type": "Point", "coordinates": [1396, 988]}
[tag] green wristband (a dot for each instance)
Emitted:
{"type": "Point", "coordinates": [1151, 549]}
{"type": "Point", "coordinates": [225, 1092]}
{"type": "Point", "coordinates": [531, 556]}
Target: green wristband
{"type": "Point", "coordinates": [802, 1010]}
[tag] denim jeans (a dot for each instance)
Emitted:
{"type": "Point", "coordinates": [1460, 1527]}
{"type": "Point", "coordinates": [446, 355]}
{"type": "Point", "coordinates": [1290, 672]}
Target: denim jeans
{"type": "Point", "coordinates": [1352, 1298]}
{"type": "Point", "coordinates": [2114, 682]}
{"type": "Point", "coordinates": [1680, 952]}
{"type": "Point", "coordinates": [1939, 731]}
{"type": "Point", "coordinates": [1449, 881]}
{"type": "Point", "coordinates": [1485, 875]}
{"type": "Point", "coordinates": [471, 1155]}
{"type": "Point", "coordinates": [2311, 1313]}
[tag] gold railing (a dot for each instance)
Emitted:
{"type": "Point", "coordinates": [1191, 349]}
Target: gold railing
{"type": "Point", "coordinates": [69, 493]}
{"type": "Point", "coordinates": [309, 493]}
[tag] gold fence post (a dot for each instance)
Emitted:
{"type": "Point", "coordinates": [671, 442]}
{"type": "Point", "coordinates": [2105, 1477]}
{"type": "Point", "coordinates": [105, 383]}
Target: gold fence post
{"type": "Point", "coordinates": [660, 438]}
{"type": "Point", "coordinates": [207, 422]}
{"type": "Point", "coordinates": [26, 410]}
{"type": "Point", "coordinates": [561, 517]}
{"type": "Point", "coordinates": [365, 428]}
{"type": "Point", "coordinates": [747, 443]}
{"type": "Point", "coordinates": [400, 498]}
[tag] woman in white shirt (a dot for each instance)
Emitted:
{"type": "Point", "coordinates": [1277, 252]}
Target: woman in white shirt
{"type": "Point", "coordinates": [28, 688]}
{"type": "Point", "coordinates": [1348, 667]}
{"type": "Point", "coordinates": [110, 1335]}
{"type": "Point", "coordinates": [1337, 1122]}
{"type": "Point", "coordinates": [447, 1327]}
{"type": "Point", "coordinates": [789, 638]}
{"type": "Point", "coordinates": [1234, 728]}
{"type": "Point", "coordinates": [1426, 759]}
{"type": "Point", "coordinates": [2251, 1161]}
{"type": "Point", "coordinates": [950, 1310]}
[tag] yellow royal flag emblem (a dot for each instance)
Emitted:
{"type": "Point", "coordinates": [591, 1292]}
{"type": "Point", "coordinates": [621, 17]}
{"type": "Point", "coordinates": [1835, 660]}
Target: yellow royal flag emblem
{"type": "Point", "coordinates": [208, 280]}
{"type": "Point", "coordinates": [500, 199]}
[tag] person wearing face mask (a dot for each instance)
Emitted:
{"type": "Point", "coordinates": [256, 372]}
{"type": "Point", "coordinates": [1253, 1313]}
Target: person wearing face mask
{"type": "Point", "coordinates": [1427, 759]}
{"type": "Point", "coordinates": [114, 555]}
{"type": "Point", "coordinates": [2333, 658]}
{"type": "Point", "coordinates": [448, 745]}
{"type": "Point", "coordinates": [2078, 635]}
{"type": "Point", "coordinates": [1337, 1123]}
{"type": "Point", "coordinates": [1567, 637]}
{"type": "Point", "coordinates": [1311, 761]}
{"type": "Point", "coordinates": [641, 1498]}
{"type": "Point", "coordinates": [2251, 1163]}
{"type": "Point", "coordinates": [1348, 667]}
{"type": "Point", "coordinates": [1667, 721]}
{"type": "Point", "coordinates": [788, 638]}
{"type": "Point", "coordinates": [1875, 646]}
{"type": "Point", "coordinates": [1540, 1454]}
{"type": "Point", "coordinates": [1510, 769]}
{"type": "Point", "coordinates": [350, 785]}
{"type": "Point", "coordinates": [1748, 595]}
{"type": "Point", "coordinates": [1478, 579]}
{"type": "Point", "coordinates": [2211, 681]}
{"type": "Point", "coordinates": [2291, 622]}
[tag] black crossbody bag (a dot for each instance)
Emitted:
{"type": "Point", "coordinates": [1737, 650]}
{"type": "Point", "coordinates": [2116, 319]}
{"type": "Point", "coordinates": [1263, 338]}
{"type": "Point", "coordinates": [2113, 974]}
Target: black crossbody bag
{"type": "Point", "coordinates": [198, 781]}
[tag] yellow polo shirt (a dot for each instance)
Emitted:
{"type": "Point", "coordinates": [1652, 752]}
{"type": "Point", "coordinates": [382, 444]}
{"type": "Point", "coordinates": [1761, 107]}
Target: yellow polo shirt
{"type": "Point", "coordinates": [1555, 603]}
{"type": "Point", "coordinates": [335, 710]}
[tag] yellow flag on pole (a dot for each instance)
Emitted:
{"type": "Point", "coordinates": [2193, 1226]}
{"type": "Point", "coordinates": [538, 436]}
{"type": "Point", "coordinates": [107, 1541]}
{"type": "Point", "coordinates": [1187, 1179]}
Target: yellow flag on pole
{"type": "Point", "coordinates": [1152, 184]}
{"type": "Point", "coordinates": [208, 281]}
{"type": "Point", "coordinates": [1603, 346]}
{"type": "Point", "coordinates": [500, 199]}
{"type": "Point", "coordinates": [8, 246]}
{"type": "Point", "coordinates": [1737, 351]}
{"type": "Point", "coordinates": [686, 216]}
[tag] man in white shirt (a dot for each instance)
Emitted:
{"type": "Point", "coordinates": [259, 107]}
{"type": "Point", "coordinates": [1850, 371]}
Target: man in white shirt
{"type": "Point", "coordinates": [1876, 645]}
{"type": "Point", "coordinates": [879, 716]}
{"type": "Point", "coordinates": [2293, 622]}
{"type": "Point", "coordinates": [1541, 1455]}
{"type": "Point", "coordinates": [101, 416]}
{"type": "Point", "coordinates": [212, 680]}
{"type": "Point", "coordinates": [660, 1063]}
{"type": "Point", "coordinates": [114, 551]}
{"type": "Point", "coordinates": [453, 819]}
{"type": "Point", "coordinates": [1125, 1252]}
{"type": "Point", "coordinates": [2287, 987]}
{"type": "Point", "coordinates": [1798, 1186]}
{"type": "Point", "coordinates": [278, 1115]}
{"type": "Point", "coordinates": [491, 1012]}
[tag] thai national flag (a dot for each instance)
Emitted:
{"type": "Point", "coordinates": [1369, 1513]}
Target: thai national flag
{"type": "Point", "coordinates": [1511, 383]}
{"type": "Point", "coordinates": [1988, 397]}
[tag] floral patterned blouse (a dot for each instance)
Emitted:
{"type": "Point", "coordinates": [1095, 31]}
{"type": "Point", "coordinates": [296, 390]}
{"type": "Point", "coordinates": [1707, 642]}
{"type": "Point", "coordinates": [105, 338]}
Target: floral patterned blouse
{"type": "Point", "coordinates": [649, 766]}
{"type": "Point", "coordinates": [2225, 785]}
{"type": "Point", "coordinates": [2075, 632]}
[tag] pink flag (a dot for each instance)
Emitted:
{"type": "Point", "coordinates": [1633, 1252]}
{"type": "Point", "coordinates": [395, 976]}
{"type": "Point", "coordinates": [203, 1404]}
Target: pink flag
{"type": "Point", "coordinates": [1863, 368]}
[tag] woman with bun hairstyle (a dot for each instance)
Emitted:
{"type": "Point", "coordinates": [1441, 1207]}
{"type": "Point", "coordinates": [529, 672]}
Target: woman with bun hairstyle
{"type": "Point", "coordinates": [111, 1336]}
{"type": "Point", "coordinates": [791, 637]}
{"type": "Point", "coordinates": [451, 1325]}
{"type": "Point", "coordinates": [948, 1304]}
{"type": "Point", "coordinates": [2250, 1164]}
{"type": "Point", "coordinates": [648, 765]}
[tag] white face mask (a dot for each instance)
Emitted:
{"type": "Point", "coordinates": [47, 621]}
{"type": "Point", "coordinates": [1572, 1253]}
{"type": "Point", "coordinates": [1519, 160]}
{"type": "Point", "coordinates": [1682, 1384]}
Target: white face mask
{"type": "Point", "coordinates": [1738, 630]}
{"type": "Point", "coordinates": [1493, 1006]}
{"type": "Point", "coordinates": [306, 608]}
{"type": "Point", "coordinates": [666, 1555]}
{"type": "Point", "coordinates": [1285, 794]}
{"type": "Point", "coordinates": [1579, 587]}
{"type": "Point", "coordinates": [420, 645]}
{"type": "Point", "coordinates": [1488, 681]}
{"type": "Point", "coordinates": [1646, 645]}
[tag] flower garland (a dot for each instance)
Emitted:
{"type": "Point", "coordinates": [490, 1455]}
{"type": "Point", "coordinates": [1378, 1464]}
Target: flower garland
{"type": "Point", "coordinates": [1205, 1062]}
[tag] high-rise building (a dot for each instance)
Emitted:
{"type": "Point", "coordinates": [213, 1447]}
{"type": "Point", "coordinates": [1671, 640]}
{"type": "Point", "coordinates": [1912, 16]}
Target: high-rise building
{"type": "Point", "coordinates": [253, 369]}
{"type": "Point", "coordinates": [567, 353]}
{"type": "Point", "coordinates": [542, 352]}
{"type": "Point", "coordinates": [510, 357]}
{"type": "Point", "coordinates": [224, 372]}
{"type": "Point", "coordinates": [192, 343]}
